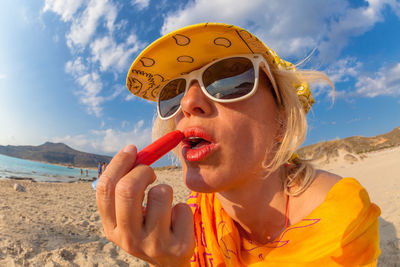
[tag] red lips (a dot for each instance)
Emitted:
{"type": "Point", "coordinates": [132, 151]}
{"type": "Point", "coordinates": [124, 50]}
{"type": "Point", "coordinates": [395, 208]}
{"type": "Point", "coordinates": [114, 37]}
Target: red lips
{"type": "Point", "coordinates": [197, 144]}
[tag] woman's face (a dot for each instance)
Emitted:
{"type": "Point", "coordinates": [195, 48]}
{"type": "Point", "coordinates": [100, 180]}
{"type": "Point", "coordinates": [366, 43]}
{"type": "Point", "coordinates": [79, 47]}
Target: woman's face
{"type": "Point", "coordinates": [238, 136]}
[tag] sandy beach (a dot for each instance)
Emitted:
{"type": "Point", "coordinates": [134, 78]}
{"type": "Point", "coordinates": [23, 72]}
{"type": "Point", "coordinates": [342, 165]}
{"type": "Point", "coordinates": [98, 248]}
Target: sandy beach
{"type": "Point", "coordinates": [57, 224]}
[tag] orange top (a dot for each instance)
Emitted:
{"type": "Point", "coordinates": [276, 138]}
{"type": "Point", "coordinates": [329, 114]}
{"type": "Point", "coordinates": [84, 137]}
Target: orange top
{"type": "Point", "coordinates": [342, 231]}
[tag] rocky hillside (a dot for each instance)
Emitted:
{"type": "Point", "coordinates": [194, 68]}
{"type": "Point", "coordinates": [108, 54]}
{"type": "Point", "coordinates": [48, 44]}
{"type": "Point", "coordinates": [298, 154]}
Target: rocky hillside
{"type": "Point", "coordinates": [54, 153]}
{"type": "Point", "coordinates": [350, 147]}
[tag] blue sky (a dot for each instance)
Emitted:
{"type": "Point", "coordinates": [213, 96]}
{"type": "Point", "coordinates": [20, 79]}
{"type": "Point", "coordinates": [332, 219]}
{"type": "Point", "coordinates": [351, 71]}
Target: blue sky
{"type": "Point", "coordinates": [63, 64]}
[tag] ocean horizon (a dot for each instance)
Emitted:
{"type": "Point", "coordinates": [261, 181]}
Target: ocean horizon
{"type": "Point", "coordinates": [16, 168]}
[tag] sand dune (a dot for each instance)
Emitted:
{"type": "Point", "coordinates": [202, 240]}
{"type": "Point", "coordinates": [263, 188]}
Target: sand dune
{"type": "Point", "coordinates": [379, 173]}
{"type": "Point", "coordinates": [55, 224]}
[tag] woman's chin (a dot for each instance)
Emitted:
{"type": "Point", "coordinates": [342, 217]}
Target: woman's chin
{"type": "Point", "coordinates": [195, 182]}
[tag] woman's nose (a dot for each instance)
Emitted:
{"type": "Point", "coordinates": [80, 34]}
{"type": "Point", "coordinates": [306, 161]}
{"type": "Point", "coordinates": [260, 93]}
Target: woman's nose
{"type": "Point", "coordinates": [195, 102]}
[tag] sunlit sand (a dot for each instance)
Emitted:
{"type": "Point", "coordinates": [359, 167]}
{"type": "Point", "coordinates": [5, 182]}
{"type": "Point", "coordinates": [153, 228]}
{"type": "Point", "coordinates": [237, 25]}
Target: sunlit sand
{"type": "Point", "coordinates": [58, 224]}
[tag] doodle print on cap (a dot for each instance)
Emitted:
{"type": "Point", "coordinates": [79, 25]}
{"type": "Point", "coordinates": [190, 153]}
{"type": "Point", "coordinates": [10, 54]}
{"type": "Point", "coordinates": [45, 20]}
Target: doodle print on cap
{"type": "Point", "coordinates": [147, 62]}
{"type": "Point", "coordinates": [222, 42]}
{"type": "Point", "coordinates": [253, 42]}
{"type": "Point", "coordinates": [140, 79]}
{"type": "Point", "coordinates": [134, 85]}
{"type": "Point", "coordinates": [181, 40]}
{"type": "Point", "coordinates": [187, 59]}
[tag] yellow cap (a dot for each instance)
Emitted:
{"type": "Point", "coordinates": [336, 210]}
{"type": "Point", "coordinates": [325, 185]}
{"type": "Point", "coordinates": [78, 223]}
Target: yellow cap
{"type": "Point", "coordinates": [192, 47]}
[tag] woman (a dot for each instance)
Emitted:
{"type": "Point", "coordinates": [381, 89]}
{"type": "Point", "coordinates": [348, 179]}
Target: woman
{"type": "Point", "coordinates": [253, 203]}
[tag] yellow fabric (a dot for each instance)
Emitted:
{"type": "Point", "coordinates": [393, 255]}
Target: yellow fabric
{"type": "Point", "coordinates": [192, 47]}
{"type": "Point", "coordinates": [294, 157]}
{"type": "Point", "coordinates": [342, 231]}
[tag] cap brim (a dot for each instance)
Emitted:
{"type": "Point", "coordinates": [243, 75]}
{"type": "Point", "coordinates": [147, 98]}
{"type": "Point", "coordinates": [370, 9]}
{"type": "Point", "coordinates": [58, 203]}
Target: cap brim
{"type": "Point", "coordinates": [187, 49]}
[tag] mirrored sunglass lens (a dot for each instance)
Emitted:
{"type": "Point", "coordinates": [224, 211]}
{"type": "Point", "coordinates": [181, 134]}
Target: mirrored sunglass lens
{"type": "Point", "coordinates": [170, 97]}
{"type": "Point", "coordinates": [230, 78]}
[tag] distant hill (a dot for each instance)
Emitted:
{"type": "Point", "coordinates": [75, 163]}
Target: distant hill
{"type": "Point", "coordinates": [350, 147]}
{"type": "Point", "coordinates": [54, 153]}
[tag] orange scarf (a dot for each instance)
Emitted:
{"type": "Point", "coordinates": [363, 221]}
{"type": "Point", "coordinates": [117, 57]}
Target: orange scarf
{"type": "Point", "coordinates": [342, 231]}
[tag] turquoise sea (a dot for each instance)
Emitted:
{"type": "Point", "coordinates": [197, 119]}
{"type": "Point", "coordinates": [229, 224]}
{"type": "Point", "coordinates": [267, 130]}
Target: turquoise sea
{"type": "Point", "coordinates": [40, 172]}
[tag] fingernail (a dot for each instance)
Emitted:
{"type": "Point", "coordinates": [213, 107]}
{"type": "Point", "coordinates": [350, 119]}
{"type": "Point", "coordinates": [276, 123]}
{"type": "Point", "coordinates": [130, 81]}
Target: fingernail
{"type": "Point", "coordinates": [130, 149]}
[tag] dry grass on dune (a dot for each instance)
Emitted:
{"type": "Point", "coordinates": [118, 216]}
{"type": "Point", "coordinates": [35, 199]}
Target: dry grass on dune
{"type": "Point", "coordinates": [355, 146]}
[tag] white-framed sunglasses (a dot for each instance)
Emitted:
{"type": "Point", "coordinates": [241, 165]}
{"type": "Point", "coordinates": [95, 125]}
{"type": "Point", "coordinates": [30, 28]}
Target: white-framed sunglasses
{"type": "Point", "coordinates": [225, 80]}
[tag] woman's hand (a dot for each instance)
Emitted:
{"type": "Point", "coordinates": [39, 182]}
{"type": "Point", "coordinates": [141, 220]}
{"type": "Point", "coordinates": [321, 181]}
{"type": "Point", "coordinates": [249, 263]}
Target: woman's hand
{"type": "Point", "coordinates": [162, 235]}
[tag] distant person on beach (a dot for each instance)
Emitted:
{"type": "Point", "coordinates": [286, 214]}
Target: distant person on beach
{"type": "Point", "coordinates": [103, 167]}
{"type": "Point", "coordinates": [81, 172]}
{"type": "Point", "coordinates": [99, 169]}
{"type": "Point", "coordinates": [254, 201]}
{"type": "Point", "coordinates": [87, 173]}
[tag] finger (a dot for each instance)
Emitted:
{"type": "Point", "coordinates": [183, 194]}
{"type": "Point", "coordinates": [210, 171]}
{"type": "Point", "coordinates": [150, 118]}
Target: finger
{"type": "Point", "coordinates": [158, 210]}
{"type": "Point", "coordinates": [120, 165]}
{"type": "Point", "coordinates": [183, 231]}
{"type": "Point", "coordinates": [182, 223]}
{"type": "Point", "coordinates": [129, 194]}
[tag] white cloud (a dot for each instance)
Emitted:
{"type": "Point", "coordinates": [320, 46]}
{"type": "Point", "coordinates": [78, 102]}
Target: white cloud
{"type": "Point", "coordinates": [109, 141]}
{"type": "Point", "coordinates": [124, 124]}
{"type": "Point", "coordinates": [65, 8]}
{"type": "Point", "coordinates": [114, 140]}
{"type": "Point", "coordinates": [79, 142]}
{"type": "Point", "coordinates": [118, 89]}
{"type": "Point", "coordinates": [85, 25]}
{"type": "Point", "coordinates": [385, 82]}
{"type": "Point", "coordinates": [85, 16]}
{"type": "Point", "coordinates": [292, 28]}
{"type": "Point", "coordinates": [353, 120]}
{"type": "Point", "coordinates": [3, 76]}
{"type": "Point", "coordinates": [93, 55]}
{"type": "Point", "coordinates": [342, 94]}
{"type": "Point", "coordinates": [353, 22]}
{"type": "Point", "coordinates": [112, 55]}
{"type": "Point", "coordinates": [121, 25]}
{"type": "Point", "coordinates": [141, 4]}
{"type": "Point", "coordinates": [130, 97]}
{"type": "Point", "coordinates": [75, 67]}
{"type": "Point", "coordinates": [204, 11]}
{"type": "Point", "coordinates": [90, 83]}
{"type": "Point", "coordinates": [92, 86]}
{"type": "Point", "coordinates": [344, 69]}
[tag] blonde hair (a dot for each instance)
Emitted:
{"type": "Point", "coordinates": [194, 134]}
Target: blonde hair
{"type": "Point", "coordinates": [294, 124]}
{"type": "Point", "coordinates": [301, 173]}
